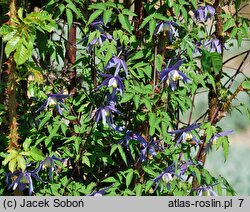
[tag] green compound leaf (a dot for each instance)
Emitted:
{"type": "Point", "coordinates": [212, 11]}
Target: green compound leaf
{"type": "Point", "coordinates": [216, 59]}
{"type": "Point", "coordinates": [125, 23]}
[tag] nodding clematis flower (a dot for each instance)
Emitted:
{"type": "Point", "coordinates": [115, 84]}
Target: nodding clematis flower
{"type": "Point", "coordinates": [206, 190]}
{"type": "Point", "coordinates": [133, 136]}
{"type": "Point", "coordinates": [100, 192]}
{"type": "Point", "coordinates": [105, 112]}
{"type": "Point", "coordinates": [184, 166]}
{"type": "Point", "coordinates": [49, 163]}
{"type": "Point", "coordinates": [113, 81]}
{"type": "Point", "coordinates": [167, 27]}
{"type": "Point", "coordinates": [204, 13]}
{"type": "Point", "coordinates": [103, 37]}
{"type": "Point", "coordinates": [151, 147]}
{"type": "Point", "coordinates": [172, 75]}
{"type": "Point", "coordinates": [166, 176]}
{"type": "Point", "coordinates": [118, 64]}
{"type": "Point", "coordinates": [98, 24]}
{"type": "Point", "coordinates": [23, 179]}
{"type": "Point", "coordinates": [215, 137]}
{"type": "Point", "coordinates": [54, 99]}
{"type": "Point", "coordinates": [214, 45]}
{"type": "Point", "coordinates": [111, 98]}
{"type": "Point", "coordinates": [186, 134]}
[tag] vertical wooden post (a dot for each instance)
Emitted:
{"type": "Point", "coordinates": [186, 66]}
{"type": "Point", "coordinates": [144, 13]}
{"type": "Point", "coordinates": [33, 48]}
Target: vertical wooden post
{"type": "Point", "coordinates": [11, 90]}
{"type": "Point", "coordinates": [71, 56]}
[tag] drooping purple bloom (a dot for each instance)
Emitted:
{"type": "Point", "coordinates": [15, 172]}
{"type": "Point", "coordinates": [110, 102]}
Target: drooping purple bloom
{"type": "Point", "coordinates": [150, 148]}
{"type": "Point", "coordinates": [204, 13]}
{"type": "Point", "coordinates": [184, 166]}
{"type": "Point", "coordinates": [49, 163]}
{"type": "Point", "coordinates": [111, 98]}
{"type": "Point", "coordinates": [23, 179]}
{"type": "Point", "coordinates": [167, 27]}
{"type": "Point", "coordinates": [173, 74]}
{"type": "Point", "coordinates": [215, 137]}
{"type": "Point", "coordinates": [206, 191]}
{"type": "Point", "coordinates": [186, 134]}
{"type": "Point", "coordinates": [98, 24]}
{"type": "Point", "coordinates": [103, 37]}
{"type": "Point", "coordinates": [100, 192]}
{"type": "Point", "coordinates": [118, 64]}
{"type": "Point", "coordinates": [214, 45]}
{"type": "Point", "coordinates": [105, 112]}
{"type": "Point", "coordinates": [118, 128]}
{"type": "Point", "coordinates": [113, 81]}
{"type": "Point", "coordinates": [198, 48]}
{"type": "Point", "coordinates": [54, 99]}
{"type": "Point", "coordinates": [166, 176]}
{"type": "Point", "coordinates": [133, 136]}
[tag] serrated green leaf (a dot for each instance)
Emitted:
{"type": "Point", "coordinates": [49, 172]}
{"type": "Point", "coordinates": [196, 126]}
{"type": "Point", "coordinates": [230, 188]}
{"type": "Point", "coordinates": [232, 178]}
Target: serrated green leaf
{"type": "Point", "coordinates": [12, 165]}
{"type": "Point", "coordinates": [12, 154]}
{"type": "Point", "coordinates": [152, 26]}
{"type": "Point", "coordinates": [137, 55]}
{"type": "Point", "coordinates": [149, 171]}
{"type": "Point", "coordinates": [147, 103]}
{"type": "Point", "coordinates": [69, 16]}
{"type": "Point", "coordinates": [160, 17]}
{"type": "Point", "coordinates": [21, 162]}
{"type": "Point", "coordinates": [12, 45]}
{"type": "Point", "coordinates": [94, 16]}
{"type": "Point", "coordinates": [109, 180]}
{"type": "Point", "coordinates": [59, 10]}
{"type": "Point", "coordinates": [126, 97]}
{"type": "Point", "coordinates": [113, 148]}
{"type": "Point", "coordinates": [206, 61]}
{"type": "Point", "coordinates": [138, 190]}
{"type": "Point", "coordinates": [152, 122]}
{"type": "Point", "coordinates": [225, 146]}
{"type": "Point", "coordinates": [106, 16]}
{"type": "Point", "coordinates": [212, 80]}
{"type": "Point", "coordinates": [234, 32]}
{"type": "Point", "coordinates": [239, 39]}
{"type": "Point", "coordinates": [194, 3]}
{"type": "Point", "coordinates": [10, 35]}
{"type": "Point", "coordinates": [136, 99]}
{"type": "Point", "coordinates": [184, 13]}
{"type": "Point", "coordinates": [128, 12]}
{"type": "Point", "coordinates": [148, 185]}
{"type": "Point", "coordinates": [36, 154]}
{"type": "Point", "coordinates": [86, 160]}
{"type": "Point", "coordinates": [170, 3]}
{"type": "Point", "coordinates": [123, 155]}
{"type": "Point", "coordinates": [21, 55]}
{"type": "Point", "coordinates": [26, 144]}
{"type": "Point", "coordinates": [219, 189]}
{"type": "Point", "coordinates": [111, 4]}
{"type": "Point", "coordinates": [48, 115]}
{"type": "Point", "coordinates": [146, 20]}
{"type": "Point", "coordinates": [98, 6]}
{"type": "Point", "coordinates": [158, 62]}
{"type": "Point", "coordinates": [216, 60]}
{"type": "Point", "coordinates": [197, 174]}
{"type": "Point", "coordinates": [228, 24]}
{"type": "Point", "coordinates": [125, 23]}
{"type": "Point", "coordinates": [129, 177]}
{"type": "Point", "coordinates": [20, 13]}
{"type": "Point", "coordinates": [73, 8]}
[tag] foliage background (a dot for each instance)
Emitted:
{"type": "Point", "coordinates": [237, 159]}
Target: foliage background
{"type": "Point", "coordinates": [235, 151]}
